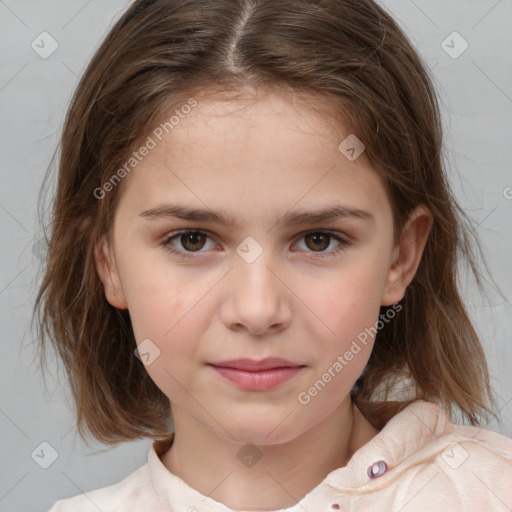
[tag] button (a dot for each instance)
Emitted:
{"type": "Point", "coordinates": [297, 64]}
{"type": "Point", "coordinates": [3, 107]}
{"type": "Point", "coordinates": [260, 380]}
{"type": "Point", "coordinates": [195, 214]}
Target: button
{"type": "Point", "coordinates": [377, 469]}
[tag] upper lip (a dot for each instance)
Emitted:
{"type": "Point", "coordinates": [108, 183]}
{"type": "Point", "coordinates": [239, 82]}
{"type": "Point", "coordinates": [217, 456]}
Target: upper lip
{"type": "Point", "coordinates": [255, 365]}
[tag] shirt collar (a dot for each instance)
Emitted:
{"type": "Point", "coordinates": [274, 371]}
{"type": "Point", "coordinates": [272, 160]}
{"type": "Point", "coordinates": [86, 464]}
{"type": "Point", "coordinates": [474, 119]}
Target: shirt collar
{"type": "Point", "coordinates": [401, 437]}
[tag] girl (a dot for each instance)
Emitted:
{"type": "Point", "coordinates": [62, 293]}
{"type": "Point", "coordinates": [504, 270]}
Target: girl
{"type": "Point", "coordinates": [253, 236]}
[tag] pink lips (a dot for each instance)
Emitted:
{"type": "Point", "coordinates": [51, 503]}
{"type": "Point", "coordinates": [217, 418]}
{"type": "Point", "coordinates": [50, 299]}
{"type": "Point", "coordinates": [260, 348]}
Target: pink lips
{"type": "Point", "coordinates": [257, 375]}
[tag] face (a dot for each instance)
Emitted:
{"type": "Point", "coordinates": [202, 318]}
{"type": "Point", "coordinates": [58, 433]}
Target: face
{"type": "Point", "coordinates": [263, 282]}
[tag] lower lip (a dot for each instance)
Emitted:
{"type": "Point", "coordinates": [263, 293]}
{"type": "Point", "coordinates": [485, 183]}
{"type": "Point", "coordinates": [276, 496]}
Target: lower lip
{"type": "Point", "coordinates": [261, 380]}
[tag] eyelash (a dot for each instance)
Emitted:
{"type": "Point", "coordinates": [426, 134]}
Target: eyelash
{"type": "Point", "coordinates": [343, 243]}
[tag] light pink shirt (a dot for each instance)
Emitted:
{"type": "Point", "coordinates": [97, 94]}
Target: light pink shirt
{"type": "Point", "coordinates": [429, 464]}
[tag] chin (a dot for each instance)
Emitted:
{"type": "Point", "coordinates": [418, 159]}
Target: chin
{"type": "Point", "coordinates": [262, 430]}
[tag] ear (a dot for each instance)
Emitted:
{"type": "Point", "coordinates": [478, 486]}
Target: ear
{"type": "Point", "coordinates": [407, 255]}
{"type": "Point", "coordinates": [108, 274]}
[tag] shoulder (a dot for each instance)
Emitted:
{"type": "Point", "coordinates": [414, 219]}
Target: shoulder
{"type": "Point", "coordinates": [463, 472]}
{"type": "Point", "coordinates": [131, 493]}
{"type": "Point", "coordinates": [463, 466]}
{"type": "Point", "coordinates": [475, 447]}
{"type": "Point", "coordinates": [478, 461]}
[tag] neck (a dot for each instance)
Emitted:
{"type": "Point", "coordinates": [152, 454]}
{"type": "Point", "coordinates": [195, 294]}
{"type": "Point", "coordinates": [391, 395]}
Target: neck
{"type": "Point", "coordinates": [283, 474]}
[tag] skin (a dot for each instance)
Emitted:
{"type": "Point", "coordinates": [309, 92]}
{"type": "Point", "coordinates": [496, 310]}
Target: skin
{"type": "Point", "coordinates": [257, 158]}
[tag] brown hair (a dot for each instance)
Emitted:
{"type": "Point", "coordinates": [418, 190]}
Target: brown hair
{"type": "Point", "coordinates": [348, 52]}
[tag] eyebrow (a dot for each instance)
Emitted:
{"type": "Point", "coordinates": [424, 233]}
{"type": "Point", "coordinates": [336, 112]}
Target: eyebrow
{"type": "Point", "coordinates": [328, 214]}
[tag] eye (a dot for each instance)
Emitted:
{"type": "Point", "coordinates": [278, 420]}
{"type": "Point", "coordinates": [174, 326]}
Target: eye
{"type": "Point", "coordinates": [194, 240]}
{"type": "Point", "coordinates": [320, 240]}
{"type": "Point", "coordinates": [191, 240]}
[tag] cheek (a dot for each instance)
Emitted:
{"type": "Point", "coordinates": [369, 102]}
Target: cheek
{"type": "Point", "coordinates": [155, 311]}
{"type": "Point", "coordinates": [160, 296]}
{"type": "Point", "coordinates": [167, 313]}
{"type": "Point", "coordinates": [170, 308]}
{"type": "Point", "coordinates": [346, 301]}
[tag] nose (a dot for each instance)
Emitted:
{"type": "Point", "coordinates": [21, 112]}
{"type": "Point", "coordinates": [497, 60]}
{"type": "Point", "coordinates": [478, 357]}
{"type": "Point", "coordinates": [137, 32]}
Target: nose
{"type": "Point", "coordinates": [256, 298]}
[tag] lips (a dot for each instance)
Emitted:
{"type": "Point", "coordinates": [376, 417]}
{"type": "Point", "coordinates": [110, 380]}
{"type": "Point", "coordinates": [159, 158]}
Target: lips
{"type": "Point", "coordinates": [253, 365]}
{"type": "Point", "coordinates": [253, 375]}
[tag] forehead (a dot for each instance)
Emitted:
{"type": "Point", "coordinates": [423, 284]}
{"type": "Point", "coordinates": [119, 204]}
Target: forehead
{"type": "Point", "coordinates": [243, 150]}
{"type": "Point", "coordinates": [226, 123]}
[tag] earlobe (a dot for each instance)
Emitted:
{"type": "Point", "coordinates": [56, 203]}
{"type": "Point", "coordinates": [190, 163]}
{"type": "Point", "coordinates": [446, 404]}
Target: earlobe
{"type": "Point", "coordinates": [107, 272]}
{"type": "Point", "coordinates": [407, 255]}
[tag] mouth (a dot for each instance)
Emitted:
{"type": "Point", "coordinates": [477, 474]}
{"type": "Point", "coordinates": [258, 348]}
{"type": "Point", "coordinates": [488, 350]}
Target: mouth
{"type": "Point", "coordinates": [253, 365]}
{"type": "Point", "coordinates": [255, 375]}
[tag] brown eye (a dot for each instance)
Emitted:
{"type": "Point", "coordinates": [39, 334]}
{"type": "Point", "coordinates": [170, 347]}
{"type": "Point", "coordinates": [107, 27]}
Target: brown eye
{"type": "Point", "coordinates": [318, 241]}
{"type": "Point", "coordinates": [192, 241]}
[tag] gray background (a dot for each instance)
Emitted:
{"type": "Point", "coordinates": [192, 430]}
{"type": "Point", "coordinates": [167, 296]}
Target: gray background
{"type": "Point", "coordinates": [476, 95]}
